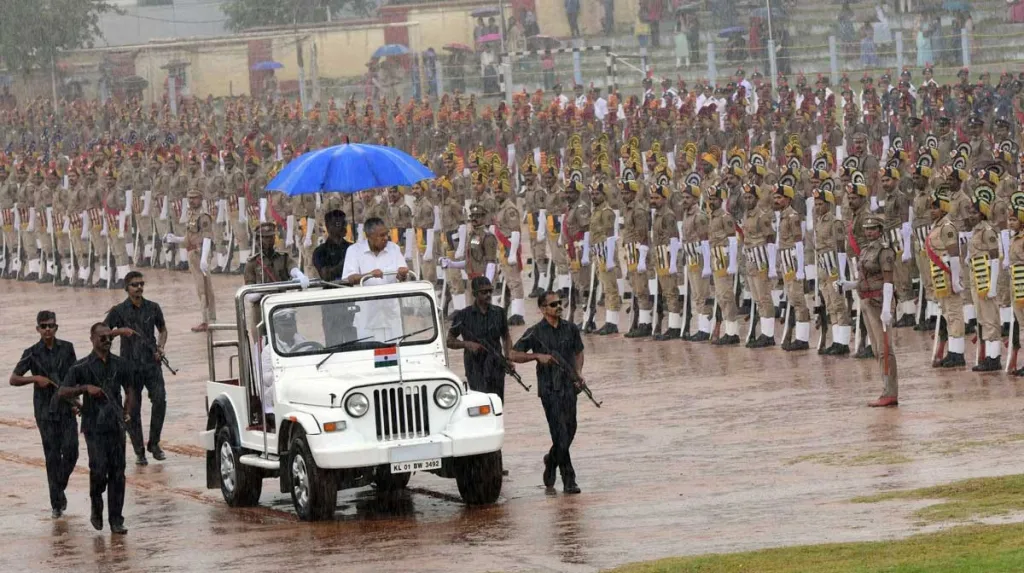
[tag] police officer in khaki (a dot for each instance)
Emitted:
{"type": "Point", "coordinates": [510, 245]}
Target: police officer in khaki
{"type": "Point", "coordinates": [508, 222]}
{"type": "Point", "coordinates": [758, 240]}
{"type": "Point", "coordinates": [481, 246]}
{"type": "Point", "coordinates": [983, 253]}
{"type": "Point", "coordinates": [829, 244]}
{"type": "Point", "coordinates": [791, 257]}
{"type": "Point", "coordinates": [697, 252]}
{"type": "Point", "coordinates": [268, 265]}
{"type": "Point", "coordinates": [664, 250]}
{"type": "Point", "coordinates": [921, 224]}
{"type": "Point", "coordinates": [943, 250]}
{"type": "Point", "coordinates": [602, 253]}
{"type": "Point", "coordinates": [423, 220]}
{"type": "Point", "coordinates": [198, 244]}
{"type": "Point", "coordinates": [636, 227]}
{"type": "Point", "coordinates": [724, 262]}
{"type": "Point", "coordinates": [875, 286]}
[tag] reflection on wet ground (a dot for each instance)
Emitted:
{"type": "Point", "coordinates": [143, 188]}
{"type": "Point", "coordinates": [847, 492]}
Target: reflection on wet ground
{"type": "Point", "coordinates": [697, 449]}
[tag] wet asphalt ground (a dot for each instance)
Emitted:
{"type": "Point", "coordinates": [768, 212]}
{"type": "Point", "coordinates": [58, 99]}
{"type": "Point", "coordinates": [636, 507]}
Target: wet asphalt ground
{"type": "Point", "coordinates": [696, 449]}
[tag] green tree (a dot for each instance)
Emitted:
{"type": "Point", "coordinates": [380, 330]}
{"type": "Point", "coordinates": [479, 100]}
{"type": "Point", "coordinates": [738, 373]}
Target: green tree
{"type": "Point", "coordinates": [34, 32]}
{"type": "Point", "coordinates": [245, 14]}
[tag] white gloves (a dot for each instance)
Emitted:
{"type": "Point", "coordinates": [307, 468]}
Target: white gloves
{"type": "Point", "coordinates": [886, 316]}
{"type": "Point", "coordinates": [447, 263]}
{"type": "Point", "coordinates": [954, 267]}
{"type": "Point", "coordinates": [301, 278]}
{"type": "Point", "coordinates": [799, 260]}
{"type": "Point", "coordinates": [307, 241]}
{"type": "Point", "coordinates": [1004, 241]}
{"type": "Point", "coordinates": [173, 239]}
{"type": "Point", "coordinates": [994, 279]}
{"type": "Point", "coordinates": [907, 249]}
{"type": "Point", "coordinates": [609, 248]}
{"type": "Point", "coordinates": [489, 272]}
{"type": "Point", "coordinates": [641, 265]}
{"type": "Point", "coordinates": [773, 272]}
{"type": "Point", "coordinates": [733, 264]}
{"type": "Point", "coordinates": [705, 249]}
{"type": "Point", "coordinates": [585, 258]}
{"type": "Point", "coordinates": [847, 285]}
{"type": "Point", "coordinates": [204, 258]}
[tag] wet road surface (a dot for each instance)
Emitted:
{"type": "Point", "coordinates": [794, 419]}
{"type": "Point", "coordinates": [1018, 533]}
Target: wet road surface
{"type": "Point", "coordinates": [696, 449]}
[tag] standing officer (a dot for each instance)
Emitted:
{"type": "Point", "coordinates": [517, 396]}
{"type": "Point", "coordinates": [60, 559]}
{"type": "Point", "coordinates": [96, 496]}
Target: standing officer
{"type": "Point", "coordinates": [485, 339]}
{"type": "Point", "coordinates": [602, 248]}
{"type": "Point", "coordinates": [664, 243]}
{"type": "Point", "coordinates": [791, 252]}
{"type": "Point", "coordinates": [829, 239]}
{"type": "Point", "coordinates": [100, 378]}
{"type": "Point", "coordinates": [698, 259]}
{"type": "Point", "coordinates": [983, 250]}
{"type": "Point", "coordinates": [557, 348]}
{"type": "Point", "coordinates": [635, 236]}
{"type": "Point", "coordinates": [943, 250]}
{"type": "Point", "coordinates": [758, 233]}
{"type": "Point", "coordinates": [724, 249]}
{"type": "Point", "coordinates": [198, 243]}
{"type": "Point", "coordinates": [508, 222]}
{"type": "Point", "coordinates": [877, 264]}
{"type": "Point", "coordinates": [135, 321]}
{"type": "Point", "coordinates": [49, 361]}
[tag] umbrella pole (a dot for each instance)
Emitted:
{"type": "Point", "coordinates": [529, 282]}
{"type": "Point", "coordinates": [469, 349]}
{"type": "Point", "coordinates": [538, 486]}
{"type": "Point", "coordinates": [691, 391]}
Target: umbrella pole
{"type": "Point", "coordinates": [355, 228]}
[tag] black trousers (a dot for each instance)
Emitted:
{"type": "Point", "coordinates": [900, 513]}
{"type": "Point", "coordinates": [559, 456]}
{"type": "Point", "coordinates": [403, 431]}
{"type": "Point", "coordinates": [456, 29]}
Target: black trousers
{"type": "Point", "coordinates": [490, 385]}
{"type": "Point", "coordinates": [60, 448]}
{"type": "Point", "coordinates": [560, 411]}
{"type": "Point", "coordinates": [152, 380]}
{"type": "Point", "coordinates": [106, 473]}
{"type": "Point", "coordinates": [574, 27]}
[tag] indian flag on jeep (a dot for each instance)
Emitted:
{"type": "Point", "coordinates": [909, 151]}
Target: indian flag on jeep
{"type": "Point", "coordinates": [384, 357]}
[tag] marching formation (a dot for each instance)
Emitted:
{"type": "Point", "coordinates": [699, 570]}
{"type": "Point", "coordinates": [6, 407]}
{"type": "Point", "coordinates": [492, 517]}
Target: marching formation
{"type": "Point", "coordinates": [808, 218]}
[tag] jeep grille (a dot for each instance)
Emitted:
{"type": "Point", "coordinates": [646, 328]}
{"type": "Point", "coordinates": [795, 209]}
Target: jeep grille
{"type": "Point", "coordinates": [401, 412]}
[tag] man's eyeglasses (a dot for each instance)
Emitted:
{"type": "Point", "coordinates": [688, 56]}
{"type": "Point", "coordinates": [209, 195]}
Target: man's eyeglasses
{"type": "Point", "coordinates": [104, 338]}
{"type": "Point", "coordinates": [139, 284]}
{"type": "Point", "coordinates": [554, 304]}
{"type": "Point", "coordinates": [50, 326]}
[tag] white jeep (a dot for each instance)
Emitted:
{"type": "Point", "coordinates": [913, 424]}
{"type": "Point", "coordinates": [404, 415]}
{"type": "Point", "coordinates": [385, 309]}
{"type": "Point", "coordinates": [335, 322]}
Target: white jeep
{"type": "Point", "coordinates": [341, 387]}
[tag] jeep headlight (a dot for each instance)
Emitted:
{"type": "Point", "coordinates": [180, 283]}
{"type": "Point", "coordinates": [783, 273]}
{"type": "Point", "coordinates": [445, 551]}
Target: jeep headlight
{"type": "Point", "coordinates": [356, 405]}
{"type": "Point", "coordinates": [445, 396]}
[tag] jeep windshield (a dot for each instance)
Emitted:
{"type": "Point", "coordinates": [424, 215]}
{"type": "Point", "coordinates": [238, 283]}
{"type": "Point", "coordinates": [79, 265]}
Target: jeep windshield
{"type": "Point", "coordinates": [352, 324]}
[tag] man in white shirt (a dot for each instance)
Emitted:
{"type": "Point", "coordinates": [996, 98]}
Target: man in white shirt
{"type": "Point", "coordinates": [286, 338]}
{"type": "Point", "coordinates": [374, 257]}
{"type": "Point", "coordinates": [379, 258]}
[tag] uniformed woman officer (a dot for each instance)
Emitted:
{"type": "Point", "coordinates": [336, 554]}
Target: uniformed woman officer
{"type": "Point", "coordinates": [877, 262]}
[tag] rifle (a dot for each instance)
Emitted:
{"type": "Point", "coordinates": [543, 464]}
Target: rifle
{"type": "Point", "coordinates": [152, 347]}
{"type": "Point", "coordinates": [577, 381]}
{"type": "Point", "coordinates": [505, 364]}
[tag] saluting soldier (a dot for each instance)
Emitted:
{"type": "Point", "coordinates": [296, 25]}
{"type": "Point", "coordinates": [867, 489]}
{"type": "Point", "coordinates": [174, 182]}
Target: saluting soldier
{"type": "Point", "coordinates": [875, 287]}
{"type": "Point", "coordinates": [791, 255]}
{"type": "Point", "coordinates": [198, 243]}
{"type": "Point", "coordinates": [602, 247]}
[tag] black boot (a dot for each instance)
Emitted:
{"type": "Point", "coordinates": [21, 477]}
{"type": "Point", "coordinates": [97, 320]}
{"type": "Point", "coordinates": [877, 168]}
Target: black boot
{"type": "Point", "coordinates": [864, 353]}
{"type": "Point", "coordinates": [607, 329]}
{"type": "Point", "coordinates": [762, 341]}
{"type": "Point", "coordinates": [971, 327]}
{"type": "Point", "coordinates": [670, 334]}
{"type": "Point", "coordinates": [700, 336]}
{"type": "Point", "coordinates": [796, 345]}
{"type": "Point", "coordinates": [953, 360]}
{"type": "Point", "coordinates": [905, 321]}
{"type": "Point", "coordinates": [989, 364]}
{"type": "Point", "coordinates": [590, 327]}
{"type": "Point", "coordinates": [641, 331]}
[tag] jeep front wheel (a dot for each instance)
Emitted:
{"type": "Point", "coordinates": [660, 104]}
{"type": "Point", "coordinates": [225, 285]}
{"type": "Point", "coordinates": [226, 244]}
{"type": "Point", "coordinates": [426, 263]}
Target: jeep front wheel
{"type": "Point", "coordinates": [240, 485]}
{"type": "Point", "coordinates": [314, 491]}
{"type": "Point", "coordinates": [479, 478]}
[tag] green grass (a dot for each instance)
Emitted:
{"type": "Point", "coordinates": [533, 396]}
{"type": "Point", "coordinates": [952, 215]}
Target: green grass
{"type": "Point", "coordinates": [971, 549]}
{"type": "Point", "coordinates": [881, 457]}
{"type": "Point", "coordinates": [964, 500]}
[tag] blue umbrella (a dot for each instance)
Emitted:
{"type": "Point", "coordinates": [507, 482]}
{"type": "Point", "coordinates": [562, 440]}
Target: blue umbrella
{"type": "Point", "coordinates": [390, 50]}
{"type": "Point", "coordinates": [349, 168]}
{"type": "Point", "coordinates": [268, 65]}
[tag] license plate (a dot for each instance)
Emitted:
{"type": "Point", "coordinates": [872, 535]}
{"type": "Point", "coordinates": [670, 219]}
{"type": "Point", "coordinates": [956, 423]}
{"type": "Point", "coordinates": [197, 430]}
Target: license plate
{"type": "Point", "coordinates": [417, 466]}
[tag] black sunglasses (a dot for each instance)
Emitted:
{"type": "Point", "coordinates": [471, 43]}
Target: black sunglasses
{"type": "Point", "coordinates": [138, 284]}
{"type": "Point", "coordinates": [555, 304]}
{"type": "Point", "coordinates": [104, 337]}
{"type": "Point", "coordinates": [52, 325]}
